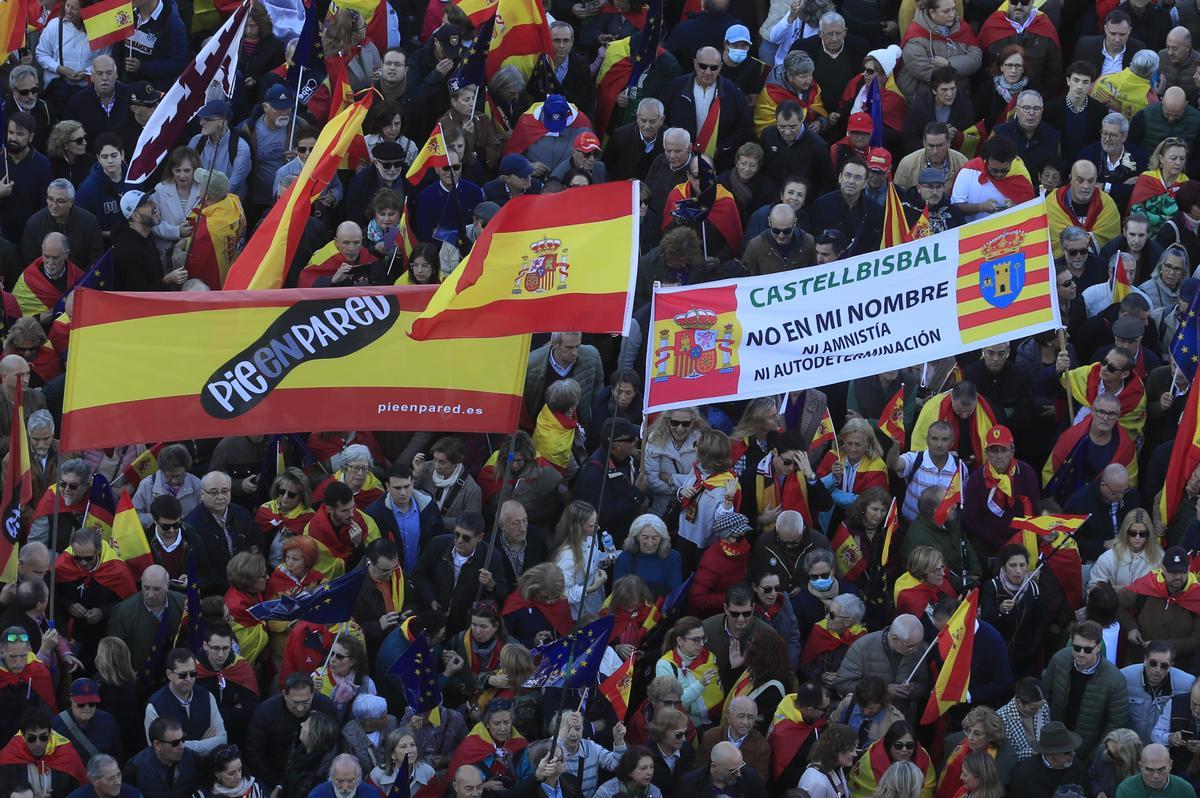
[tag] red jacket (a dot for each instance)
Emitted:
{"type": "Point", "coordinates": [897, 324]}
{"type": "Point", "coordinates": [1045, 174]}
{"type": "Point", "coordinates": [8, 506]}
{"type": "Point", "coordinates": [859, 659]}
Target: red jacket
{"type": "Point", "coordinates": [721, 567]}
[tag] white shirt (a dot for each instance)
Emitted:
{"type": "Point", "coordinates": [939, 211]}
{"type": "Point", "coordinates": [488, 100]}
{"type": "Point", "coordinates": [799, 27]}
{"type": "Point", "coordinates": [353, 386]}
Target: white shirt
{"type": "Point", "coordinates": [927, 476]}
{"type": "Point", "coordinates": [75, 53]}
{"type": "Point", "coordinates": [785, 34]}
{"type": "Point", "coordinates": [1112, 63]}
{"type": "Point", "coordinates": [704, 100]}
{"type": "Point", "coordinates": [967, 188]}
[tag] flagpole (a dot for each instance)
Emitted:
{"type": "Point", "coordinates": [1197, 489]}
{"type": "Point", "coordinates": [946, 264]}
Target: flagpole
{"type": "Point", "coordinates": [329, 656]}
{"type": "Point", "coordinates": [295, 108]}
{"type": "Point", "coordinates": [1044, 560]}
{"type": "Point", "coordinates": [924, 654]}
{"type": "Point", "coordinates": [496, 521]}
{"type": "Point", "coordinates": [53, 546]}
{"type": "Point", "coordinates": [1062, 347]}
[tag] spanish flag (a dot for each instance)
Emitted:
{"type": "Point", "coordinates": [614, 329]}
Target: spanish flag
{"type": "Point", "coordinates": [921, 228]}
{"type": "Point", "coordinates": [13, 18]}
{"type": "Point", "coordinates": [891, 523]}
{"type": "Point", "coordinates": [340, 94]}
{"type": "Point", "coordinates": [952, 499]}
{"type": "Point", "coordinates": [478, 11]}
{"type": "Point", "coordinates": [972, 138]}
{"type": "Point", "coordinates": [824, 432]}
{"type": "Point", "coordinates": [849, 556]}
{"type": "Point", "coordinates": [611, 79]}
{"type": "Point", "coordinates": [895, 225]}
{"type": "Point", "coordinates": [891, 419]}
{"type": "Point", "coordinates": [219, 229]}
{"type": "Point", "coordinates": [142, 466]}
{"type": "Point", "coordinates": [1118, 283]}
{"type": "Point", "coordinates": [18, 486]}
{"type": "Point", "coordinates": [34, 293]}
{"type": "Point", "coordinates": [433, 154]}
{"type": "Point", "coordinates": [616, 687]}
{"type": "Point", "coordinates": [994, 296]}
{"type": "Point", "coordinates": [1185, 455]}
{"type": "Point", "coordinates": [554, 437]}
{"type": "Point", "coordinates": [1049, 538]}
{"type": "Point", "coordinates": [520, 36]}
{"type": "Point", "coordinates": [129, 539]}
{"type": "Point", "coordinates": [774, 94]}
{"type": "Point", "coordinates": [706, 137]}
{"type": "Point", "coordinates": [542, 264]}
{"type": "Point", "coordinates": [956, 644]}
{"type": "Point", "coordinates": [264, 261]}
{"type": "Point", "coordinates": [107, 22]}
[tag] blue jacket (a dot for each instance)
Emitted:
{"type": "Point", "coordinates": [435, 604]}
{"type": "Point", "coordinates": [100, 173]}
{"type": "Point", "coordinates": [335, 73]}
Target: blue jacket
{"type": "Point", "coordinates": [102, 198]}
{"type": "Point", "coordinates": [429, 517]}
{"type": "Point", "coordinates": [436, 208]}
{"type": "Point", "coordinates": [325, 790]}
{"type": "Point", "coordinates": [168, 55]}
{"type": "Point", "coordinates": [147, 774]}
{"type": "Point", "coordinates": [102, 731]}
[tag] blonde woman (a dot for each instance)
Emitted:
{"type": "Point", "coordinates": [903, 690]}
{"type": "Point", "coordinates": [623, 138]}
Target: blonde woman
{"type": "Point", "coordinates": [537, 611]}
{"type": "Point", "coordinates": [855, 465]}
{"type": "Point", "coordinates": [980, 779]}
{"type": "Point", "coordinates": [578, 554]}
{"type": "Point", "coordinates": [901, 780]}
{"type": "Point", "coordinates": [670, 450]}
{"type": "Point", "coordinates": [711, 488]}
{"type": "Point", "coordinates": [346, 34]}
{"type": "Point", "coordinates": [1155, 189]}
{"type": "Point", "coordinates": [67, 148]}
{"type": "Point", "coordinates": [1117, 758]}
{"type": "Point", "coordinates": [1135, 553]}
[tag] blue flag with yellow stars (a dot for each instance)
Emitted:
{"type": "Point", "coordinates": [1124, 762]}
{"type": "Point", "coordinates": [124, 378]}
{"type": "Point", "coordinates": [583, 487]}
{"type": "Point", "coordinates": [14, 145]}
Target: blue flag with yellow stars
{"type": "Point", "coordinates": [418, 671]}
{"type": "Point", "coordinates": [191, 606]}
{"type": "Point", "coordinates": [874, 106]}
{"type": "Point", "coordinates": [1185, 349]}
{"type": "Point", "coordinates": [328, 602]}
{"type": "Point", "coordinates": [647, 50]}
{"type": "Point", "coordinates": [573, 661]}
{"type": "Point", "coordinates": [472, 71]}
{"type": "Point", "coordinates": [400, 787]}
{"type": "Point", "coordinates": [100, 277]}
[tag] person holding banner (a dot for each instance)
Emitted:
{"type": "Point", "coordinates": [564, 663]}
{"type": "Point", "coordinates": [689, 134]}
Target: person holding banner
{"type": "Point", "coordinates": [848, 211]}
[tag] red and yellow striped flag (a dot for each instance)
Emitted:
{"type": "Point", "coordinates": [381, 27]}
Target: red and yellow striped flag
{"type": "Point", "coordinates": [542, 264]}
{"type": "Point", "coordinates": [616, 687]}
{"type": "Point", "coordinates": [107, 22]}
{"type": "Point", "coordinates": [956, 644]}
{"type": "Point", "coordinates": [1005, 274]}
{"type": "Point", "coordinates": [520, 36]}
{"type": "Point", "coordinates": [849, 555]}
{"type": "Point", "coordinates": [142, 466]}
{"type": "Point", "coordinates": [972, 137]}
{"type": "Point", "coordinates": [1043, 525]}
{"type": "Point", "coordinates": [13, 19]}
{"type": "Point", "coordinates": [824, 433]}
{"type": "Point", "coordinates": [478, 11]}
{"type": "Point", "coordinates": [128, 537]}
{"type": "Point", "coordinates": [18, 486]}
{"type": "Point", "coordinates": [1185, 455]}
{"type": "Point", "coordinates": [952, 499]}
{"type": "Point", "coordinates": [891, 523]}
{"type": "Point", "coordinates": [432, 155]}
{"type": "Point", "coordinates": [891, 420]}
{"type": "Point", "coordinates": [921, 228]}
{"type": "Point", "coordinates": [1118, 281]}
{"type": "Point", "coordinates": [895, 225]}
{"type": "Point", "coordinates": [265, 260]}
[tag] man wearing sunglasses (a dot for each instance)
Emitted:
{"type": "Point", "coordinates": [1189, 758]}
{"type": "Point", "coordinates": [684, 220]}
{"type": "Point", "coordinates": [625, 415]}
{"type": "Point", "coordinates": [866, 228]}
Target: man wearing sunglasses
{"type": "Point", "coordinates": [173, 544]}
{"type": "Point", "coordinates": [1113, 375]}
{"type": "Point", "coordinates": [165, 769]}
{"type": "Point", "coordinates": [42, 757]}
{"type": "Point", "coordinates": [443, 210]}
{"type": "Point", "coordinates": [1152, 684]}
{"type": "Point", "coordinates": [692, 99]}
{"type": "Point", "coordinates": [24, 683]}
{"type": "Point", "coordinates": [1023, 24]}
{"type": "Point", "coordinates": [781, 247]}
{"type": "Point", "coordinates": [1162, 605]}
{"type": "Point", "coordinates": [1084, 690]}
{"type": "Point", "coordinates": [193, 707]}
{"type": "Point", "coordinates": [727, 775]}
{"type": "Point", "coordinates": [91, 580]}
{"type": "Point", "coordinates": [90, 729]}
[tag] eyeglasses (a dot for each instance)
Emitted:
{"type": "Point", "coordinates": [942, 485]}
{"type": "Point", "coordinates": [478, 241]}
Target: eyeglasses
{"type": "Point", "coordinates": [459, 536]}
{"type": "Point", "coordinates": [768, 588]}
{"type": "Point", "coordinates": [787, 462]}
{"type": "Point", "coordinates": [44, 737]}
{"type": "Point", "coordinates": [1162, 666]}
{"type": "Point", "coordinates": [218, 492]}
{"type": "Point", "coordinates": [454, 167]}
{"type": "Point", "coordinates": [1138, 533]}
{"type": "Point", "coordinates": [909, 746]}
{"type": "Point", "coordinates": [680, 735]}
{"type": "Point", "coordinates": [356, 469]}
{"type": "Point", "coordinates": [178, 741]}
{"type": "Point", "coordinates": [821, 575]}
{"type": "Point", "coordinates": [14, 637]}
{"type": "Point", "coordinates": [163, 525]}
{"type": "Point", "coordinates": [305, 150]}
{"type": "Point", "coordinates": [64, 485]}
{"type": "Point", "coordinates": [390, 164]}
{"type": "Point", "coordinates": [1082, 649]}
{"type": "Point", "coordinates": [1104, 413]}
{"type": "Point", "coordinates": [184, 674]}
{"type": "Point", "coordinates": [26, 92]}
{"type": "Point", "coordinates": [291, 494]}
{"type": "Point", "coordinates": [868, 71]}
{"type": "Point", "coordinates": [781, 232]}
{"type": "Point", "coordinates": [1070, 280]}
{"type": "Point", "coordinates": [1108, 365]}
{"type": "Point", "coordinates": [81, 140]}
{"type": "Point", "coordinates": [1026, 108]}
{"type": "Point", "coordinates": [683, 424]}
{"type": "Point", "coordinates": [694, 639]}
{"type": "Point", "coordinates": [339, 656]}
{"type": "Point", "coordinates": [708, 67]}
{"type": "Point", "coordinates": [739, 614]}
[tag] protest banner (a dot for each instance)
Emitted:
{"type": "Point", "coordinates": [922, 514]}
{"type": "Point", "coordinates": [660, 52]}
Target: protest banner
{"type": "Point", "coordinates": [963, 289]}
{"type": "Point", "coordinates": [145, 367]}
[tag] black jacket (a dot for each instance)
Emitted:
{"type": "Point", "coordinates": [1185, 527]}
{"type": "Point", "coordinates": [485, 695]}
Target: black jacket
{"type": "Point", "coordinates": [147, 774]}
{"type": "Point", "coordinates": [434, 580]}
{"type": "Point", "coordinates": [138, 264]}
{"type": "Point", "coordinates": [430, 517]}
{"type": "Point", "coordinates": [1088, 48]}
{"type": "Point", "coordinates": [807, 155]}
{"type": "Point", "coordinates": [273, 732]}
{"type": "Point", "coordinates": [622, 500]}
{"type": "Point", "coordinates": [667, 780]}
{"type": "Point", "coordinates": [699, 784]}
{"type": "Point", "coordinates": [1101, 525]}
{"type": "Point", "coordinates": [82, 232]}
{"type": "Point", "coordinates": [861, 226]}
{"type": "Point", "coordinates": [240, 526]}
{"type": "Point", "coordinates": [578, 86]}
{"type": "Point", "coordinates": [735, 126]}
{"type": "Point", "coordinates": [84, 107]}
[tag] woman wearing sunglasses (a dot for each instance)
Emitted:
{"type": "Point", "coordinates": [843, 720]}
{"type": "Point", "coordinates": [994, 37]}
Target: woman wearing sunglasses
{"type": "Point", "coordinates": [226, 777]}
{"type": "Point", "coordinates": [670, 450]}
{"type": "Point", "coordinates": [695, 667]}
{"type": "Point", "coordinates": [345, 676]}
{"type": "Point", "coordinates": [287, 512]}
{"type": "Point", "coordinates": [899, 744]}
{"type": "Point", "coordinates": [1135, 552]}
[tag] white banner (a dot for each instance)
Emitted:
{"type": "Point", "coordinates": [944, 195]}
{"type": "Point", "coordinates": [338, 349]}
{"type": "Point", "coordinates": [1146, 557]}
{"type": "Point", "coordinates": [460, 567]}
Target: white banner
{"type": "Point", "coordinates": [982, 283]}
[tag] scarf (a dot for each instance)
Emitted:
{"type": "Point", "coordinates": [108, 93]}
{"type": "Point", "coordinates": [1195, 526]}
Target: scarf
{"type": "Point", "coordinates": [821, 640]}
{"type": "Point", "coordinates": [242, 789]}
{"type": "Point", "coordinates": [1004, 488]}
{"type": "Point", "coordinates": [713, 695]}
{"type": "Point", "coordinates": [1008, 91]}
{"type": "Point", "coordinates": [1154, 585]}
{"type": "Point", "coordinates": [443, 484]}
{"type": "Point", "coordinates": [1015, 186]}
{"type": "Point", "coordinates": [742, 193]}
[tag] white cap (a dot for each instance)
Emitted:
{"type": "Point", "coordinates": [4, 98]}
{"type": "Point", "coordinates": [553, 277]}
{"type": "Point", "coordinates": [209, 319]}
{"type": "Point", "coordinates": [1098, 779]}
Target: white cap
{"type": "Point", "coordinates": [130, 201]}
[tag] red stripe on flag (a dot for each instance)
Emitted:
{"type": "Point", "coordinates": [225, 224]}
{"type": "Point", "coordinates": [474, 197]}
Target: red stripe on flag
{"type": "Point", "coordinates": [529, 38]}
{"type": "Point", "coordinates": [1034, 224]}
{"type": "Point", "coordinates": [992, 315]}
{"type": "Point", "coordinates": [1033, 277]}
{"type": "Point", "coordinates": [1185, 455]}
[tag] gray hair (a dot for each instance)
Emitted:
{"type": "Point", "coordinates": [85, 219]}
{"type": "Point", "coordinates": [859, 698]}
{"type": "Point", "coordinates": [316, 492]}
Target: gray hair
{"type": "Point", "coordinates": [62, 184]}
{"type": "Point", "coordinates": [507, 78]}
{"type": "Point", "coordinates": [40, 420]}
{"type": "Point", "coordinates": [900, 780]}
{"type": "Point", "coordinates": [214, 183]}
{"type": "Point", "coordinates": [1144, 63]}
{"type": "Point", "coordinates": [849, 605]}
{"type": "Point", "coordinates": [32, 549]}
{"type": "Point", "coordinates": [1177, 249]}
{"type": "Point", "coordinates": [830, 18]}
{"type": "Point", "coordinates": [1073, 233]}
{"type": "Point", "coordinates": [817, 556]}
{"type": "Point", "coordinates": [558, 24]}
{"type": "Point", "coordinates": [556, 337]}
{"type": "Point", "coordinates": [907, 626]}
{"type": "Point", "coordinates": [677, 132]}
{"type": "Point", "coordinates": [798, 62]}
{"type": "Point", "coordinates": [1030, 93]}
{"type": "Point", "coordinates": [355, 452]}
{"type": "Point", "coordinates": [790, 519]}
{"type": "Point", "coordinates": [1118, 257]}
{"type": "Point", "coordinates": [368, 707]}
{"type": "Point", "coordinates": [78, 467]}
{"type": "Point", "coordinates": [20, 72]}
{"type": "Point", "coordinates": [346, 760]}
{"type": "Point", "coordinates": [97, 764]}
{"type": "Point", "coordinates": [563, 395]}
{"type": "Point", "coordinates": [86, 534]}
{"type": "Point", "coordinates": [1116, 118]}
{"type": "Point", "coordinates": [62, 240]}
{"type": "Point", "coordinates": [651, 102]}
{"type": "Point", "coordinates": [654, 522]}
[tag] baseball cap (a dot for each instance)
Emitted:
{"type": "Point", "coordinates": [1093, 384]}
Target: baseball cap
{"type": "Point", "coordinates": [215, 109]}
{"type": "Point", "coordinates": [131, 200]}
{"type": "Point", "coordinates": [555, 113]}
{"type": "Point", "coordinates": [587, 142]}
{"type": "Point", "coordinates": [516, 164]}
{"type": "Point", "coordinates": [84, 691]}
{"type": "Point", "coordinates": [1128, 327]}
{"type": "Point", "coordinates": [999, 436]}
{"type": "Point", "coordinates": [737, 33]}
{"type": "Point", "coordinates": [278, 97]}
{"type": "Point", "coordinates": [618, 429]}
{"type": "Point", "coordinates": [860, 123]}
{"type": "Point", "coordinates": [142, 93]}
{"type": "Point", "coordinates": [879, 159]}
{"type": "Point", "coordinates": [486, 210]}
{"type": "Point", "coordinates": [931, 175]}
{"type": "Point", "coordinates": [1176, 561]}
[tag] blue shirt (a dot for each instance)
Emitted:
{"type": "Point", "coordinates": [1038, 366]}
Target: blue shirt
{"type": "Point", "coordinates": [409, 526]}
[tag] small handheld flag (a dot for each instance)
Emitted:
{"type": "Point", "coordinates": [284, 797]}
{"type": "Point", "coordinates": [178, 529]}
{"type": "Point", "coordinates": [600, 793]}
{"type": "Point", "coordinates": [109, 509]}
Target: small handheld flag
{"type": "Point", "coordinates": [891, 523]}
{"type": "Point", "coordinates": [891, 419]}
{"type": "Point", "coordinates": [328, 602]}
{"type": "Point", "coordinates": [616, 687]}
{"type": "Point", "coordinates": [573, 661]}
{"type": "Point", "coordinates": [956, 644]}
{"type": "Point", "coordinates": [952, 499]}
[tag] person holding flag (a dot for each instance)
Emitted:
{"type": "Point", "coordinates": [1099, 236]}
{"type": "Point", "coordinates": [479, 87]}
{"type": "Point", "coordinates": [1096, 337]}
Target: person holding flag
{"type": "Point", "coordinates": [1162, 605]}
{"type": "Point", "coordinates": [1002, 489]}
{"type": "Point", "coordinates": [859, 543]}
{"type": "Point", "coordinates": [495, 747]}
{"type": "Point", "coordinates": [784, 480]}
{"type": "Point", "coordinates": [1012, 603]}
{"type": "Point", "coordinates": [933, 528]}
{"type": "Point", "coordinates": [853, 464]}
{"type": "Point", "coordinates": [721, 122]}
{"type": "Point", "coordinates": [971, 658]}
{"type": "Point", "coordinates": [1114, 376]}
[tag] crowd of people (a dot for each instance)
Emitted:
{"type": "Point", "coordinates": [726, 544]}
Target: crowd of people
{"type": "Point", "coordinates": [795, 658]}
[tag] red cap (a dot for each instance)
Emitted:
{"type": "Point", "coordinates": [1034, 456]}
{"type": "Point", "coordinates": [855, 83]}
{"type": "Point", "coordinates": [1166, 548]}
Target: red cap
{"type": "Point", "coordinates": [860, 123]}
{"type": "Point", "coordinates": [587, 142]}
{"type": "Point", "coordinates": [999, 436]}
{"type": "Point", "coordinates": [879, 159]}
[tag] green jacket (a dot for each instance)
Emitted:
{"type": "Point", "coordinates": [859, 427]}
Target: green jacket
{"type": "Point", "coordinates": [949, 541]}
{"type": "Point", "coordinates": [1105, 704]}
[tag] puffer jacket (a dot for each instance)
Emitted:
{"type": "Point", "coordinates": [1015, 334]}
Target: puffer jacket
{"type": "Point", "coordinates": [922, 45]}
{"type": "Point", "coordinates": [1105, 702]}
{"type": "Point", "coordinates": [665, 458]}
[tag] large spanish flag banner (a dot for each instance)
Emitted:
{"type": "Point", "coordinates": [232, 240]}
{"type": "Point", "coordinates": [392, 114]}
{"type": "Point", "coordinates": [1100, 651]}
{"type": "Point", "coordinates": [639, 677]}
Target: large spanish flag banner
{"type": "Point", "coordinates": [286, 361]}
{"type": "Point", "coordinates": [956, 644]}
{"type": "Point", "coordinates": [107, 22]}
{"type": "Point", "coordinates": [542, 264]}
{"type": "Point", "coordinates": [959, 290]}
{"type": "Point", "coordinates": [264, 261]}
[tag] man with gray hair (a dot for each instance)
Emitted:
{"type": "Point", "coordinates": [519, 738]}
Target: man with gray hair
{"type": "Point", "coordinates": [43, 452]}
{"type": "Point", "coordinates": [62, 215]}
{"type": "Point", "coordinates": [46, 279]}
{"type": "Point", "coordinates": [633, 147]}
{"type": "Point", "coordinates": [1177, 63]}
{"type": "Point", "coordinates": [739, 731]}
{"type": "Point", "coordinates": [565, 356]}
{"type": "Point", "coordinates": [671, 167]}
{"type": "Point", "coordinates": [1098, 297]}
{"type": "Point", "coordinates": [136, 619]}
{"type": "Point", "coordinates": [91, 581]}
{"type": "Point", "coordinates": [345, 780]}
{"type": "Point", "coordinates": [891, 654]}
{"type": "Point", "coordinates": [74, 482]}
{"type": "Point", "coordinates": [1118, 160]}
{"type": "Point", "coordinates": [223, 528]}
{"type": "Point", "coordinates": [571, 69]}
{"type": "Point", "coordinates": [104, 775]}
{"type": "Point", "coordinates": [1036, 142]}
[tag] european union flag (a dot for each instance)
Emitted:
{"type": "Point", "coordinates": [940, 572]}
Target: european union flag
{"type": "Point", "coordinates": [400, 788]}
{"type": "Point", "coordinates": [418, 671]}
{"type": "Point", "coordinates": [675, 596]}
{"type": "Point", "coordinates": [472, 70]}
{"type": "Point", "coordinates": [100, 494]}
{"type": "Point", "coordinates": [100, 277]}
{"type": "Point", "coordinates": [1185, 349]}
{"type": "Point", "coordinates": [329, 602]}
{"type": "Point", "coordinates": [573, 661]}
{"type": "Point", "coordinates": [152, 668]}
{"type": "Point", "coordinates": [647, 51]}
{"type": "Point", "coordinates": [1069, 476]}
{"type": "Point", "coordinates": [875, 109]}
{"type": "Point", "coordinates": [307, 55]}
{"type": "Point", "coordinates": [542, 81]}
{"type": "Point", "coordinates": [191, 606]}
